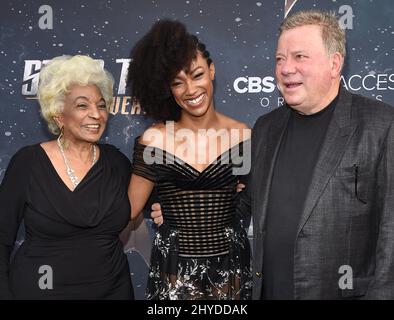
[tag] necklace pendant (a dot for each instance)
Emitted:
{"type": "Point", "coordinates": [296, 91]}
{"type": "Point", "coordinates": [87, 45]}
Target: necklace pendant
{"type": "Point", "coordinates": [69, 170]}
{"type": "Point", "coordinates": [74, 181]}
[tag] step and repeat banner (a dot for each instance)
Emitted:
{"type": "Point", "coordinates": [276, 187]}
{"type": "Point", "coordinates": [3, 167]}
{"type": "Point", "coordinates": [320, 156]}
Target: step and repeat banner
{"type": "Point", "coordinates": [240, 35]}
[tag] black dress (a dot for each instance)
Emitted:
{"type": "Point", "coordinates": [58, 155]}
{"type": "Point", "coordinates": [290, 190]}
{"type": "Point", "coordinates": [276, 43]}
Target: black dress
{"type": "Point", "coordinates": [74, 233]}
{"type": "Point", "coordinates": [202, 250]}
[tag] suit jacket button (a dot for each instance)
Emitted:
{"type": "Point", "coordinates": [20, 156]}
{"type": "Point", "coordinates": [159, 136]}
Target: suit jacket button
{"type": "Point", "coordinates": [258, 274]}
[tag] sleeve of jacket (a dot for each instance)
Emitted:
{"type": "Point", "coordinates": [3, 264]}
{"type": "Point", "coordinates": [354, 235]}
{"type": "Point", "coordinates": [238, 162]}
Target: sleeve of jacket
{"type": "Point", "coordinates": [12, 201]}
{"type": "Point", "coordinates": [382, 285]}
{"type": "Point", "coordinates": [243, 208]}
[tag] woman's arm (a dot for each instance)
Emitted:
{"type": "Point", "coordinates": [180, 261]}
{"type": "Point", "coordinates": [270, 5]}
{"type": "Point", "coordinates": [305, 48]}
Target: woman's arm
{"type": "Point", "coordinates": [12, 202]}
{"type": "Point", "coordinates": [144, 175]}
{"type": "Point", "coordinates": [139, 191]}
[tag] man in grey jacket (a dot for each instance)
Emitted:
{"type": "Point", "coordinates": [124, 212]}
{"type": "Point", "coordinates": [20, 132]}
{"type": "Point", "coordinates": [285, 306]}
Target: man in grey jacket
{"type": "Point", "coordinates": [321, 186]}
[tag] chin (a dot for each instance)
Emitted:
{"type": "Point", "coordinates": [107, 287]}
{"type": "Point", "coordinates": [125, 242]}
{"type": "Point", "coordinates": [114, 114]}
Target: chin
{"type": "Point", "coordinates": [292, 101]}
{"type": "Point", "coordinates": [92, 139]}
{"type": "Point", "coordinates": [197, 113]}
{"type": "Point", "coordinates": [200, 114]}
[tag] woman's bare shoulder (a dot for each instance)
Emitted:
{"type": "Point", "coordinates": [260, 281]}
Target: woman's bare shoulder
{"type": "Point", "coordinates": [49, 146]}
{"type": "Point", "coordinates": [154, 136]}
{"type": "Point", "coordinates": [236, 127]}
{"type": "Point", "coordinates": [230, 123]}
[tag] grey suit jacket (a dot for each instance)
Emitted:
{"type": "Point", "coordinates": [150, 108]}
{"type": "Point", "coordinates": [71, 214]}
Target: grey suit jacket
{"type": "Point", "coordinates": [348, 216]}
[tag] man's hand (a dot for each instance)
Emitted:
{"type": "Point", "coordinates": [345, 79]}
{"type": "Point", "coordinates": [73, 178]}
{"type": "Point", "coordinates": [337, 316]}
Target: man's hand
{"type": "Point", "coordinates": [156, 214]}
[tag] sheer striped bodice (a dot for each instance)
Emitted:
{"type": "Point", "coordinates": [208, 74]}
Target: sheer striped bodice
{"type": "Point", "coordinates": [200, 205]}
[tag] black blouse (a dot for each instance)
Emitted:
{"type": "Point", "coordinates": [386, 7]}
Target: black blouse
{"type": "Point", "coordinates": [76, 233]}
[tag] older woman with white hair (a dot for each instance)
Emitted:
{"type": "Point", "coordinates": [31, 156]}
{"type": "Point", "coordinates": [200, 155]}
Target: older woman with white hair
{"type": "Point", "coordinates": [71, 193]}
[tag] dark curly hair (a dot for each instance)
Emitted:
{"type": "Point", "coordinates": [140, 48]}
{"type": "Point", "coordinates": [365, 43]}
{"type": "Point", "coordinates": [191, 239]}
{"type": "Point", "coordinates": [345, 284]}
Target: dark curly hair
{"type": "Point", "coordinates": [156, 59]}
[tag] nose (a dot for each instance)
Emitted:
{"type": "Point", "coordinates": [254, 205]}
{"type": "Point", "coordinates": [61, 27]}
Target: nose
{"type": "Point", "coordinates": [94, 112]}
{"type": "Point", "coordinates": [287, 67]}
{"type": "Point", "coordinates": [191, 88]}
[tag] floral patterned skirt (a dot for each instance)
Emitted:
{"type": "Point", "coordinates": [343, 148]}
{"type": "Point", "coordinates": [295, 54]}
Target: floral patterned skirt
{"type": "Point", "coordinates": [224, 277]}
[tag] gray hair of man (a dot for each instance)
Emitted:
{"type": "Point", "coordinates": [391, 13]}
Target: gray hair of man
{"type": "Point", "coordinates": [332, 34]}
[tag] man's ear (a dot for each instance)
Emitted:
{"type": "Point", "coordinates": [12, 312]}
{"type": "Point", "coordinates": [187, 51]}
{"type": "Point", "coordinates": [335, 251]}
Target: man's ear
{"type": "Point", "coordinates": [212, 71]}
{"type": "Point", "coordinates": [336, 64]}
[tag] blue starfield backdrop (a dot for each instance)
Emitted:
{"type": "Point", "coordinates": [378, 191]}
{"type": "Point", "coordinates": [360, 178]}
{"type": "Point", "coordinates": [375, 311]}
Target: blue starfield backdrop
{"type": "Point", "coordinates": [240, 35]}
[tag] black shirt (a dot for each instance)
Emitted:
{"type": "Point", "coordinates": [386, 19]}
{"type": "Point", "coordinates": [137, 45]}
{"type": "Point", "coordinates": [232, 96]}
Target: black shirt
{"type": "Point", "coordinates": [293, 170]}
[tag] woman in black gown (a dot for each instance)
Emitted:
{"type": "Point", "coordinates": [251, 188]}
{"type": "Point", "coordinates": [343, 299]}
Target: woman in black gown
{"type": "Point", "coordinates": [71, 193]}
{"type": "Point", "coordinates": [191, 156]}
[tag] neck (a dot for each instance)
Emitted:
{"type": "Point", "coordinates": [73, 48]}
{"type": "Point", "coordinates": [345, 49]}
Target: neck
{"type": "Point", "coordinates": [322, 105]}
{"type": "Point", "coordinates": [80, 150]}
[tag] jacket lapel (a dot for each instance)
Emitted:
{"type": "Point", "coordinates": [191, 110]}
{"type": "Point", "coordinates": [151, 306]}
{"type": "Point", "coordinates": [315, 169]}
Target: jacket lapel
{"type": "Point", "coordinates": [338, 135]}
{"type": "Point", "coordinates": [265, 163]}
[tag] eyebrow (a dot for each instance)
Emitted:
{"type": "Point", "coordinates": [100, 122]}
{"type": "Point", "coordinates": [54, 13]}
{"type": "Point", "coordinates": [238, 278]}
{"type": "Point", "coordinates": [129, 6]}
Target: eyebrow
{"type": "Point", "coordinates": [297, 51]}
{"type": "Point", "coordinates": [291, 52]}
{"type": "Point", "coordinates": [188, 72]}
{"type": "Point", "coordinates": [81, 97]}
{"type": "Point", "coordinates": [192, 71]}
{"type": "Point", "coordinates": [86, 98]}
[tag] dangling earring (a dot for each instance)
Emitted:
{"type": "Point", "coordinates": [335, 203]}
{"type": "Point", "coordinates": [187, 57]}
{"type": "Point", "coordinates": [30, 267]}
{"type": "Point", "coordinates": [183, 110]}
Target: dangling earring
{"type": "Point", "coordinates": [60, 138]}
